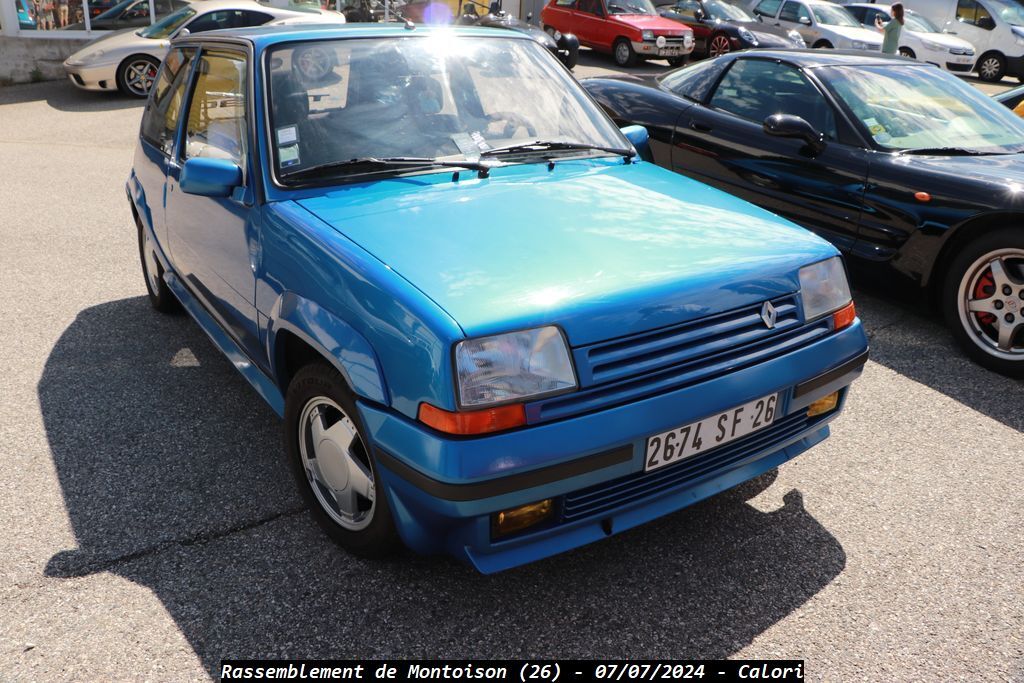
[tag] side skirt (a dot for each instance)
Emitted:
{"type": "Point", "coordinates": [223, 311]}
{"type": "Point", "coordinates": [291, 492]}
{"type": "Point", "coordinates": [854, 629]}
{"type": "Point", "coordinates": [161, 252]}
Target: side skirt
{"type": "Point", "coordinates": [263, 384]}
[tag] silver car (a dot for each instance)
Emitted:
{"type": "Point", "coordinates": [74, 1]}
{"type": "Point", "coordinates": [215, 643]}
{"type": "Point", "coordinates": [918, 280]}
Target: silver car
{"type": "Point", "coordinates": [128, 60]}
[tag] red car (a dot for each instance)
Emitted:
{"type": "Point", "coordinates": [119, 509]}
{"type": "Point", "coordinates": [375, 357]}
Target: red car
{"type": "Point", "coordinates": [628, 29]}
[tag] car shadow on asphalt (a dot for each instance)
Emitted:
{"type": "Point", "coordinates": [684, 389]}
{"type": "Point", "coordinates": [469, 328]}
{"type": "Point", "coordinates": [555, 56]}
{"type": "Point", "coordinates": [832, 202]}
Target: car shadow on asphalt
{"type": "Point", "coordinates": [64, 96]}
{"type": "Point", "coordinates": [174, 478]}
{"type": "Point", "coordinates": [916, 344]}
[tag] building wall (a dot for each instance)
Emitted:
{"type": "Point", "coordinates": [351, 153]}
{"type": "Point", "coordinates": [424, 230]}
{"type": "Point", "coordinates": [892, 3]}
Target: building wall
{"type": "Point", "coordinates": [19, 57]}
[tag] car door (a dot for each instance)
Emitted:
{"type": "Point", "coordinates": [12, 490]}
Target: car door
{"type": "Point", "coordinates": [722, 142]}
{"type": "Point", "coordinates": [974, 24]}
{"type": "Point", "coordinates": [214, 240]}
{"type": "Point", "coordinates": [795, 16]}
{"type": "Point", "coordinates": [589, 20]}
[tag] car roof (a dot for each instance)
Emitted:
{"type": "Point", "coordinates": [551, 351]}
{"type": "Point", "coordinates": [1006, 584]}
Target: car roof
{"type": "Point", "coordinates": [263, 36]}
{"type": "Point", "coordinates": [811, 58]}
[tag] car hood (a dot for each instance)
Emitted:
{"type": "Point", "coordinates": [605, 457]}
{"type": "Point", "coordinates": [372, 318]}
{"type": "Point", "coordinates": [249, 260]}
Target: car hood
{"type": "Point", "coordinates": [653, 22]}
{"type": "Point", "coordinates": [943, 39]}
{"type": "Point", "coordinates": [117, 43]}
{"type": "Point", "coordinates": [598, 247]}
{"type": "Point", "coordinates": [853, 33]}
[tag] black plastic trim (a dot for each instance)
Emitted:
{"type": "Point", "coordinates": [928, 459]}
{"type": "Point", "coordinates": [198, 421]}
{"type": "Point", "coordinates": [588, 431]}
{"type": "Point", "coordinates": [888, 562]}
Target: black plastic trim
{"type": "Point", "coordinates": [835, 373]}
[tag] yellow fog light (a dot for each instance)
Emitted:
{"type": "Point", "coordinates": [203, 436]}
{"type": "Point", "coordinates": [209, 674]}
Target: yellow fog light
{"type": "Point", "coordinates": [823, 405]}
{"type": "Point", "coordinates": [519, 518]}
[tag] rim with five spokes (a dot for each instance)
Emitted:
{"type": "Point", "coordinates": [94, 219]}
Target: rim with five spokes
{"type": "Point", "coordinates": [991, 303]}
{"type": "Point", "coordinates": [336, 463]}
{"type": "Point", "coordinates": [139, 76]}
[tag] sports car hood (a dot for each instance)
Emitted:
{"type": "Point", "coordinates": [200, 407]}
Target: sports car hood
{"type": "Point", "coordinates": [654, 22]}
{"type": "Point", "coordinates": [116, 43]}
{"type": "Point", "coordinates": [599, 247]}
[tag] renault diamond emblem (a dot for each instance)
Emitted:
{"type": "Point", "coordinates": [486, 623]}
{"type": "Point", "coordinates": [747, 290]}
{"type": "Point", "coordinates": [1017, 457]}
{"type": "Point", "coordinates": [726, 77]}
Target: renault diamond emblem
{"type": "Point", "coordinates": [769, 315]}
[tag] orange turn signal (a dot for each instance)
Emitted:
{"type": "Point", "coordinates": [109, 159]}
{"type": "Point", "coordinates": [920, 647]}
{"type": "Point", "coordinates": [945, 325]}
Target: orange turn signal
{"type": "Point", "coordinates": [844, 317]}
{"type": "Point", "coordinates": [474, 421]}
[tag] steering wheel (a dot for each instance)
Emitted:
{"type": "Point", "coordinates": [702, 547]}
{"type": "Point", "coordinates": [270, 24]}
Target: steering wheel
{"type": "Point", "coordinates": [513, 122]}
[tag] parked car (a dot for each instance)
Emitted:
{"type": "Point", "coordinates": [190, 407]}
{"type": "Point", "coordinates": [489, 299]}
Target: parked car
{"type": "Point", "coordinates": [1013, 99]}
{"type": "Point", "coordinates": [720, 26]}
{"type": "Point", "coordinates": [920, 38]}
{"type": "Point", "coordinates": [909, 170]}
{"type": "Point", "coordinates": [629, 30]}
{"type": "Point", "coordinates": [994, 27]}
{"type": "Point", "coordinates": [128, 60]}
{"type": "Point", "coordinates": [26, 19]}
{"type": "Point", "coordinates": [489, 327]}
{"type": "Point", "coordinates": [822, 24]}
{"type": "Point", "coordinates": [128, 14]}
{"type": "Point", "coordinates": [564, 46]}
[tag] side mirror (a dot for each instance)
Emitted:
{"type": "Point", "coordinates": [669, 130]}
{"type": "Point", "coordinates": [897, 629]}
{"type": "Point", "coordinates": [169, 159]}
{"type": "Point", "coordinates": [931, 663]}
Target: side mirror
{"type": "Point", "coordinates": [806, 21]}
{"type": "Point", "coordinates": [210, 177]}
{"type": "Point", "coordinates": [639, 138]}
{"type": "Point", "coordinates": [789, 126]}
{"type": "Point", "coordinates": [698, 14]}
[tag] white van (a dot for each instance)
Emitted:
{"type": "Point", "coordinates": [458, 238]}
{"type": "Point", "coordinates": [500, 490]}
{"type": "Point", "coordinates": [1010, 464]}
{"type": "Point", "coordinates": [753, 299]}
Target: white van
{"type": "Point", "coordinates": [994, 27]}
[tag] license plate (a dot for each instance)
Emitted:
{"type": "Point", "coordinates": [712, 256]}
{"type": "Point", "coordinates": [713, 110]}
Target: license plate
{"type": "Point", "coordinates": [669, 52]}
{"type": "Point", "coordinates": [687, 441]}
{"type": "Point", "coordinates": [962, 60]}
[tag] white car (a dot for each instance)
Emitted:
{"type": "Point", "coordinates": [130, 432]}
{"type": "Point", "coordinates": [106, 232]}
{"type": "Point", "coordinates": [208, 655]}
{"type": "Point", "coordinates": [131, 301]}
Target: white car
{"type": "Point", "coordinates": [820, 23]}
{"type": "Point", "coordinates": [920, 38]}
{"type": "Point", "coordinates": [128, 60]}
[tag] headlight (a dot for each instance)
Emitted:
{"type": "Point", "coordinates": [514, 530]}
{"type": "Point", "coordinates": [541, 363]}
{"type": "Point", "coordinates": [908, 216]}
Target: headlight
{"type": "Point", "coordinates": [747, 36]}
{"type": "Point", "coordinates": [647, 35]}
{"type": "Point", "coordinates": [557, 35]}
{"type": "Point", "coordinates": [513, 367]}
{"type": "Point", "coordinates": [858, 45]}
{"type": "Point", "coordinates": [929, 45]}
{"type": "Point", "coordinates": [823, 287]}
{"type": "Point", "coordinates": [796, 39]}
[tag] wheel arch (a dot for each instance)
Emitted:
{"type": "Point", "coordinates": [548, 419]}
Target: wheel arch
{"type": "Point", "coordinates": [300, 331]}
{"type": "Point", "coordinates": [988, 53]}
{"type": "Point", "coordinates": [956, 239]}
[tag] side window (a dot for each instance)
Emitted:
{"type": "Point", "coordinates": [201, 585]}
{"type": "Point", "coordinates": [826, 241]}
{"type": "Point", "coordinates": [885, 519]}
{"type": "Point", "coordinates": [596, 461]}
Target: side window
{"type": "Point", "coordinates": [970, 12]}
{"type": "Point", "coordinates": [565, 3]}
{"type": "Point", "coordinates": [228, 18]}
{"type": "Point", "coordinates": [767, 8]}
{"type": "Point", "coordinates": [694, 82]}
{"type": "Point", "coordinates": [216, 116]}
{"type": "Point", "coordinates": [250, 18]}
{"type": "Point", "coordinates": [754, 89]}
{"type": "Point", "coordinates": [861, 14]}
{"type": "Point", "coordinates": [590, 7]}
{"type": "Point", "coordinates": [687, 8]}
{"type": "Point", "coordinates": [160, 120]}
{"type": "Point", "coordinates": [793, 11]}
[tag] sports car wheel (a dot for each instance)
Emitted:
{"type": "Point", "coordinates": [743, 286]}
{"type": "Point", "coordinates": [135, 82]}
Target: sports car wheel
{"type": "Point", "coordinates": [137, 74]}
{"type": "Point", "coordinates": [907, 52]}
{"type": "Point", "coordinates": [160, 295]}
{"type": "Point", "coordinates": [984, 301]}
{"type": "Point", "coordinates": [719, 45]}
{"type": "Point", "coordinates": [822, 44]}
{"type": "Point", "coordinates": [333, 464]}
{"type": "Point", "coordinates": [991, 68]}
{"type": "Point", "coordinates": [624, 54]}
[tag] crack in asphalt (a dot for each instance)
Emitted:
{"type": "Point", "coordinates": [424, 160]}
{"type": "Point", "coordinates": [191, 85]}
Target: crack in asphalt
{"type": "Point", "coordinates": [200, 539]}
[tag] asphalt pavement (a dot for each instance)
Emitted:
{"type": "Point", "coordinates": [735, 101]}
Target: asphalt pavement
{"type": "Point", "coordinates": [149, 526]}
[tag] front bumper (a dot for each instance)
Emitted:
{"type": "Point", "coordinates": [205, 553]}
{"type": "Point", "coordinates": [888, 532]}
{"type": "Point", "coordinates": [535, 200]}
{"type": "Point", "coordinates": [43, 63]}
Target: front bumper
{"type": "Point", "coordinates": [649, 48]}
{"type": "Point", "coordinates": [97, 78]}
{"type": "Point", "coordinates": [443, 490]}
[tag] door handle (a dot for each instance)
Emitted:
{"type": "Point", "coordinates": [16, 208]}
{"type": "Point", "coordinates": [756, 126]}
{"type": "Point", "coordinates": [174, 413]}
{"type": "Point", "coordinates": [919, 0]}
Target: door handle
{"type": "Point", "coordinates": [700, 127]}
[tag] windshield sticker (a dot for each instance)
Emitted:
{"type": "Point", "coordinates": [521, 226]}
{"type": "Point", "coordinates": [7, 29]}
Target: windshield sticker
{"type": "Point", "coordinates": [287, 135]}
{"type": "Point", "coordinates": [874, 127]}
{"type": "Point", "coordinates": [882, 138]}
{"type": "Point", "coordinates": [481, 143]}
{"type": "Point", "coordinates": [289, 155]}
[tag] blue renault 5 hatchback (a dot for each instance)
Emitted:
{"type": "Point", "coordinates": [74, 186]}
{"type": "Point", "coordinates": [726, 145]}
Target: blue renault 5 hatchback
{"type": "Point", "coordinates": [491, 329]}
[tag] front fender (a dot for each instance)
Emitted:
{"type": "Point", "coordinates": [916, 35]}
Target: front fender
{"type": "Point", "coordinates": [332, 337]}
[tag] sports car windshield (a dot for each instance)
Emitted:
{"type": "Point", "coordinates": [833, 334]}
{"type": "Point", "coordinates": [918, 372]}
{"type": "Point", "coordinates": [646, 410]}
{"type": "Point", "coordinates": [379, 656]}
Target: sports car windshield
{"type": "Point", "coordinates": [631, 7]}
{"type": "Point", "coordinates": [168, 24]}
{"type": "Point", "coordinates": [364, 106]}
{"type": "Point", "coordinates": [922, 109]}
{"type": "Point", "coordinates": [726, 11]}
{"type": "Point", "coordinates": [833, 16]}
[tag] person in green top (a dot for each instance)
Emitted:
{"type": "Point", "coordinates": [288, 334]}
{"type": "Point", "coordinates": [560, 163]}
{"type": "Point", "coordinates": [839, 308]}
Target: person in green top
{"type": "Point", "coordinates": [891, 30]}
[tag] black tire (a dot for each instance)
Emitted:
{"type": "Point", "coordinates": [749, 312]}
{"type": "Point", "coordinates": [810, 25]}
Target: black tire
{"type": "Point", "coordinates": [623, 53]}
{"type": "Point", "coordinates": [319, 382]}
{"type": "Point", "coordinates": [676, 62]}
{"type": "Point", "coordinates": [572, 58]}
{"type": "Point", "coordinates": [907, 52]}
{"type": "Point", "coordinates": [128, 75]}
{"type": "Point", "coordinates": [822, 44]}
{"type": "Point", "coordinates": [991, 67]}
{"type": "Point", "coordinates": [160, 295]}
{"type": "Point", "coordinates": [977, 333]}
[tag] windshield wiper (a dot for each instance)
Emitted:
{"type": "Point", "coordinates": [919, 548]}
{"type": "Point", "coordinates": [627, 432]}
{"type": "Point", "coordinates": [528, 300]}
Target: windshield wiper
{"type": "Point", "coordinates": [408, 162]}
{"type": "Point", "coordinates": [946, 151]}
{"type": "Point", "coordinates": [552, 145]}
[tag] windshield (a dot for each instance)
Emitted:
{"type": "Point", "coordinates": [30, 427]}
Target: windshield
{"type": "Point", "coordinates": [919, 108]}
{"type": "Point", "coordinates": [631, 7]}
{"type": "Point", "coordinates": [915, 22]}
{"type": "Point", "coordinates": [168, 24]}
{"type": "Point", "coordinates": [1010, 12]}
{"type": "Point", "coordinates": [833, 16]}
{"type": "Point", "coordinates": [440, 97]}
{"type": "Point", "coordinates": [726, 11]}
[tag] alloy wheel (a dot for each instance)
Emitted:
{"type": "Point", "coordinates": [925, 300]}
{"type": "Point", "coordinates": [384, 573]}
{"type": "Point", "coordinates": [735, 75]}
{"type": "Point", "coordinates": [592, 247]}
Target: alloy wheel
{"type": "Point", "coordinates": [152, 266]}
{"type": "Point", "coordinates": [719, 46]}
{"type": "Point", "coordinates": [989, 68]}
{"type": "Point", "coordinates": [139, 76]}
{"type": "Point", "coordinates": [991, 303]}
{"type": "Point", "coordinates": [336, 463]}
